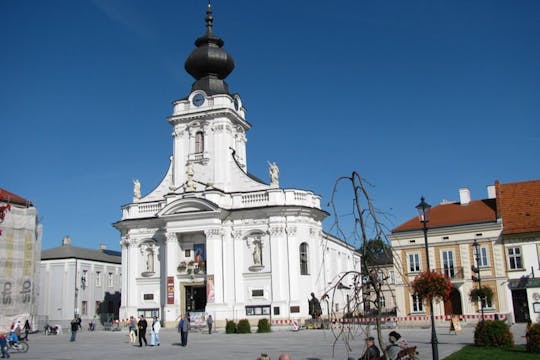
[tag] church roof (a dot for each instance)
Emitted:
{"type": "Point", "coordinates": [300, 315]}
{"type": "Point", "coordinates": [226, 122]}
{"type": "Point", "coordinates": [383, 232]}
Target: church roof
{"type": "Point", "coordinates": [11, 198]}
{"type": "Point", "coordinates": [67, 251]}
{"type": "Point", "coordinates": [209, 63]}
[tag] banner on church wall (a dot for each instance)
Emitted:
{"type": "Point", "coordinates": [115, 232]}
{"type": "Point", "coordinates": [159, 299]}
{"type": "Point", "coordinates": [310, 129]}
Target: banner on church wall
{"type": "Point", "coordinates": [210, 293]}
{"type": "Point", "coordinates": [170, 289]}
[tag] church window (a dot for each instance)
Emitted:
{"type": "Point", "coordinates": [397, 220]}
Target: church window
{"type": "Point", "coordinates": [199, 142]}
{"type": "Point", "coordinates": [304, 264]}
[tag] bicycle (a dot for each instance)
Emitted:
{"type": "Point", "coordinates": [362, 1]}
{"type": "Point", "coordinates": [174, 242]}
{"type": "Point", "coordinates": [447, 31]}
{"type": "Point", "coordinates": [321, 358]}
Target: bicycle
{"type": "Point", "coordinates": [14, 344]}
{"type": "Point", "coordinates": [20, 346]}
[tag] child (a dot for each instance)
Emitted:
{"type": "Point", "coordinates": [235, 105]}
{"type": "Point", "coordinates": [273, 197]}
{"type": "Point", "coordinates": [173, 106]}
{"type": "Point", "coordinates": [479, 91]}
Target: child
{"type": "Point", "coordinates": [3, 345]}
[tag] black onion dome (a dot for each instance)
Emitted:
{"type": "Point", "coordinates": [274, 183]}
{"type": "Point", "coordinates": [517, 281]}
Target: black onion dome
{"type": "Point", "coordinates": [209, 63]}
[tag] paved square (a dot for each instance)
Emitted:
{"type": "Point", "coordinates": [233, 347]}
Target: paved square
{"type": "Point", "coordinates": [304, 344]}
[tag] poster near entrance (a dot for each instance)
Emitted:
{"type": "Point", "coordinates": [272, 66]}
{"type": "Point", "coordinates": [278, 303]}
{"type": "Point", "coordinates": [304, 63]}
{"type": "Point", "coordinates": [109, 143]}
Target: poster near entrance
{"type": "Point", "coordinates": [170, 289]}
{"type": "Point", "coordinates": [210, 294]}
{"type": "Point", "coordinates": [199, 258]}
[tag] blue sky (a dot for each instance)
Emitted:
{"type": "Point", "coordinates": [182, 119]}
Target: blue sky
{"type": "Point", "coordinates": [420, 97]}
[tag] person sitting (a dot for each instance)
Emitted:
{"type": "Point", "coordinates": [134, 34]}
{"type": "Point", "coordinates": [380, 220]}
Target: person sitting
{"type": "Point", "coordinates": [398, 347]}
{"type": "Point", "coordinates": [372, 352]}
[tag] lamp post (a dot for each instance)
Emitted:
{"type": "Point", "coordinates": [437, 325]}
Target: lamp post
{"type": "Point", "coordinates": [476, 246]}
{"type": "Point", "coordinates": [423, 215]}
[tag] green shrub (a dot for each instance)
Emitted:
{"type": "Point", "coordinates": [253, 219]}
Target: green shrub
{"type": "Point", "coordinates": [230, 327]}
{"type": "Point", "coordinates": [493, 333]}
{"type": "Point", "coordinates": [533, 338]}
{"type": "Point", "coordinates": [243, 327]}
{"type": "Point", "coordinates": [263, 326]}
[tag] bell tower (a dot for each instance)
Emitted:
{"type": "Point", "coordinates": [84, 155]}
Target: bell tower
{"type": "Point", "coordinates": [209, 125]}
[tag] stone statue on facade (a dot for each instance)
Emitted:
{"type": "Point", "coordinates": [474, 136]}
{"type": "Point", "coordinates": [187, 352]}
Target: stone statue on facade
{"type": "Point", "coordinates": [274, 174]}
{"type": "Point", "coordinates": [136, 189]}
{"type": "Point", "coordinates": [190, 184]}
{"type": "Point", "coordinates": [314, 307]}
{"type": "Point", "coordinates": [257, 253]}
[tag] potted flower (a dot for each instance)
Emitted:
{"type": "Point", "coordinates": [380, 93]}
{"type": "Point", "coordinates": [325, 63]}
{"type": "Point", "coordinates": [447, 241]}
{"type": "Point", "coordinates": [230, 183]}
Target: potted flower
{"type": "Point", "coordinates": [182, 266]}
{"type": "Point", "coordinates": [484, 292]}
{"type": "Point", "coordinates": [432, 285]}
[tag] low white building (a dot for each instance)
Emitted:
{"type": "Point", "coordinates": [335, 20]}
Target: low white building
{"type": "Point", "coordinates": [81, 282]}
{"type": "Point", "coordinates": [212, 238]}
{"type": "Point", "coordinates": [20, 247]}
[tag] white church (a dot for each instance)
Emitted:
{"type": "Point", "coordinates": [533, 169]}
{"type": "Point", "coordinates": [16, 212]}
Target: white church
{"type": "Point", "coordinates": [213, 239]}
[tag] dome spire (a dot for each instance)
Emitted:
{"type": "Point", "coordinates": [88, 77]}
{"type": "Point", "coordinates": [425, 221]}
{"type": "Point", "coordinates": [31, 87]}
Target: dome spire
{"type": "Point", "coordinates": [209, 63]}
{"type": "Point", "coordinates": [209, 19]}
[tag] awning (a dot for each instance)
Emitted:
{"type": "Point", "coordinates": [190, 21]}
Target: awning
{"type": "Point", "coordinates": [524, 283]}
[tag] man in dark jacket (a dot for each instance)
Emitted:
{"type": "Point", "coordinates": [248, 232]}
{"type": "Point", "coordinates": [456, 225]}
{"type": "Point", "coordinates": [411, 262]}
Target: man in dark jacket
{"type": "Point", "coordinates": [142, 325]}
{"type": "Point", "coordinates": [372, 351]}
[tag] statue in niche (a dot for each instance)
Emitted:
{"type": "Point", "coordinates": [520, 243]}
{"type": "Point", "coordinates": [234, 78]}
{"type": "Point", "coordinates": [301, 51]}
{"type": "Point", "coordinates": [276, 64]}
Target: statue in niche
{"type": "Point", "coordinates": [136, 189]}
{"type": "Point", "coordinates": [257, 253]}
{"type": "Point", "coordinates": [274, 174]}
{"type": "Point", "coordinates": [314, 307]}
{"type": "Point", "coordinates": [150, 259]}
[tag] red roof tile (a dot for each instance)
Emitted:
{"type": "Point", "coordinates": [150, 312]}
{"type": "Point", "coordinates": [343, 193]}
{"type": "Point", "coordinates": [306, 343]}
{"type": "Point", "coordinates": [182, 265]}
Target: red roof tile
{"type": "Point", "coordinates": [9, 197]}
{"type": "Point", "coordinates": [519, 206]}
{"type": "Point", "coordinates": [455, 214]}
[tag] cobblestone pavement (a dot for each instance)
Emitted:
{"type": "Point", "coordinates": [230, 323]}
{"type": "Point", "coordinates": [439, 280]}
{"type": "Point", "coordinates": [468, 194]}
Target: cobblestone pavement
{"type": "Point", "coordinates": [304, 344]}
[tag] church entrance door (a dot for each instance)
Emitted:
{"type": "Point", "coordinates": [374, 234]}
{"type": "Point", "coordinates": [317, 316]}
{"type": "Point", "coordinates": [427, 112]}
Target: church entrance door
{"type": "Point", "coordinates": [195, 298]}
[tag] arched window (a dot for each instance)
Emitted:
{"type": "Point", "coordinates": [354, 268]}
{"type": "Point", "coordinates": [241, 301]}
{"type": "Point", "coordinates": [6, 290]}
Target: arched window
{"type": "Point", "coordinates": [199, 142]}
{"type": "Point", "coordinates": [304, 264]}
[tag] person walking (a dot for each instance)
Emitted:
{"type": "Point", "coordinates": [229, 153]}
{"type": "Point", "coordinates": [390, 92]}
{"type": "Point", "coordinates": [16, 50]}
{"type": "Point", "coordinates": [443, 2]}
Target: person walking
{"type": "Point", "coordinates": [132, 330]}
{"type": "Point", "coordinates": [156, 326]}
{"type": "Point", "coordinates": [142, 325]}
{"type": "Point", "coordinates": [27, 328]}
{"type": "Point", "coordinates": [74, 329]}
{"type": "Point", "coordinates": [209, 322]}
{"type": "Point", "coordinates": [185, 329]}
{"type": "Point", "coordinates": [181, 330]}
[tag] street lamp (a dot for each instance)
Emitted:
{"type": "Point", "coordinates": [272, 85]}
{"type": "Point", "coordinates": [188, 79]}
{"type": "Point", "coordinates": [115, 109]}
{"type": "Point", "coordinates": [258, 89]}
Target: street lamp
{"type": "Point", "coordinates": [478, 278]}
{"type": "Point", "coordinates": [423, 215]}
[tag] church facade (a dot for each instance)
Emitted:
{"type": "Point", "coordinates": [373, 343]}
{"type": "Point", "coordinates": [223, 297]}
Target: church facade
{"type": "Point", "coordinates": [213, 239]}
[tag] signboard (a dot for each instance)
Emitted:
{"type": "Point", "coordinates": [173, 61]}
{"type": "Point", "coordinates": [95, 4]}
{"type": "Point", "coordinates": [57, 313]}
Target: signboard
{"type": "Point", "coordinates": [170, 289]}
{"type": "Point", "coordinates": [455, 325]}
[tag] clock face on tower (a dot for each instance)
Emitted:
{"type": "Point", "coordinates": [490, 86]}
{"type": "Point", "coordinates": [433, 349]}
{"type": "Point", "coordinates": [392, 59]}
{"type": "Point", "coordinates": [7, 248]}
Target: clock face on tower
{"type": "Point", "coordinates": [198, 99]}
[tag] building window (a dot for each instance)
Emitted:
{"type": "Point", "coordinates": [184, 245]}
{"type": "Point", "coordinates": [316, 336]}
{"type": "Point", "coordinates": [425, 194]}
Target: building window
{"type": "Point", "coordinates": [392, 277]}
{"type": "Point", "coordinates": [417, 304]}
{"type": "Point", "coordinates": [382, 302]}
{"type": "Point", "coordinates": [304, 268]}
{"type": "Point", "coordinates": [487, 304]}
{"type": "Point", "coordinates": [294, 309]}
{"type": "Point", "coordinates": [148, 296]}
{"type": "Point", "coordinates": [98, 278]}
{"type": "Point", "coordinates": [110, 280]}
{"type": "Point", "coordinates": [448, 263]}
{"type": "Point", "coordinates": [483, 257]}
{"type": "Point", "coordinates": [85, 308]}
{"type": "Point", "coordinates": [187, 253]}
{"type": "Point", "coordinates": [258, 310]}
{"type": "Point", "coordinates": [257, 293]}
{"type": "Point", "coordinates": [276, 310]}
{"type": "Point", "coordinates": [98, 307]}
{"type": "Point", "coordinates": [414, 263]}
{"type": "Point", "coordinates": [514, 257]}
{"type": "Point", "coordinates": [199, 142]}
